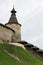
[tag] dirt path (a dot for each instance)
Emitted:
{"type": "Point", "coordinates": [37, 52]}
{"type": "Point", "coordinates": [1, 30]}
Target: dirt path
{"type": "Point", "coordinates": [18, 44]}
{"type": "Point", "coordinates": [12, 55]}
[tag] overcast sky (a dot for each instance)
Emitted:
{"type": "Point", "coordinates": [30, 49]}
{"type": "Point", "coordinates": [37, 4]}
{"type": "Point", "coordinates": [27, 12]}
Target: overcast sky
{"type": "Point", "coordinates": [29, 14]}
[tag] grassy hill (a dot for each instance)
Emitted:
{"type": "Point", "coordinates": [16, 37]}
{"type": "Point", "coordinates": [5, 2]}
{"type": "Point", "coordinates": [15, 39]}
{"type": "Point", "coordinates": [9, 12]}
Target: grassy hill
{"type": "Point", "coordinates": [25, 58]}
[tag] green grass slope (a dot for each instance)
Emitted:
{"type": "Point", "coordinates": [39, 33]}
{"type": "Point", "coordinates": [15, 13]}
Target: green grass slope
{"type": "Point", "coordinates": [25, 57]}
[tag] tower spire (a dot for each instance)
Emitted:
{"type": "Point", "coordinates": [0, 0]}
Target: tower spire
{"type": "Point", "coordinates": [13, 18]}
{"type": "Point", "coordinates": [13, 5]}
{"type": "Point", "coordinates": [13, 10]}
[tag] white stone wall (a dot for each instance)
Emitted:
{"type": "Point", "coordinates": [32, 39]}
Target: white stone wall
{"type": "Point", "coordinates": [17, 29]}
{"type": "Point", "coordinates": [6, 34]}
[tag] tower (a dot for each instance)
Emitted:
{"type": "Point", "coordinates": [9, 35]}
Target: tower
{"type": "Point", "coordinates": [13, 24]}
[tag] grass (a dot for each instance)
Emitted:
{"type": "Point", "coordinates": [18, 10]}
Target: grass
{"type": "Point", "coordinates": [25, 57]}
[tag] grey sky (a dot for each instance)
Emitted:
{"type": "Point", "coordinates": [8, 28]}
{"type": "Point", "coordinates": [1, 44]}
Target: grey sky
{"type": "Point", "coordinates": [29, 14]}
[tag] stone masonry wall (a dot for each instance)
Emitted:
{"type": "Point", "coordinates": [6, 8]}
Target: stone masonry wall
{"type": "Point", "coordinates": [17, 30]}
{"type": "Point", "coordinates": [6, 35]}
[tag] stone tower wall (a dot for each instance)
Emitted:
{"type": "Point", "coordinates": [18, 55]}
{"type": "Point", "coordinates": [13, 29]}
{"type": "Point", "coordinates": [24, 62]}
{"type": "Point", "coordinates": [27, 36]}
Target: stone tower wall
{"type": "Point", "coordinates": [17, 29]}
{"type": "Point", "coordinates": [6, 35]}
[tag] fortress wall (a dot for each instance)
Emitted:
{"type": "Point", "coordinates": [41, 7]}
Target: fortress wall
{"type": "Point", "coordinates": [17, 30]}
{"type": "Point", "coordinates": [6, 34]}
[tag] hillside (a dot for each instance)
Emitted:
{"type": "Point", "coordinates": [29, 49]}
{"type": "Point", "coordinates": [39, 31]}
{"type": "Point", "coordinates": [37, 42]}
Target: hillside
{"type": "Point", "coordinates": [13, 55]}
